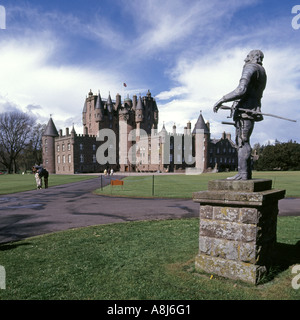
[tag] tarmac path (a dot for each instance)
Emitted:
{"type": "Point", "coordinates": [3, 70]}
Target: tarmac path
{"type": "Point", "coordinates": [58, 208]}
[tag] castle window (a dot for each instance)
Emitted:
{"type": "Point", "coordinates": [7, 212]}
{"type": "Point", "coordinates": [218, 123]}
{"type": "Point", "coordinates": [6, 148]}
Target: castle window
{"type": "Point", "coordinates": [64, 159]}
{"type": "Point", "coordinates": [58, 159]}
{"type": "Point", "coordinates": [46, 149]}
{"type": "Point", "coordinates": [81, 146]}
{"type": "Point", "coordinates": [94, 147]}
{"type": "Point", "coordinates": [81, 158]}
{"type": "Point", "coordinates": [94, 158]}
{"type": "Point", "coordinates": [69, 146]}
{"type": "Point", "coordinates": [69, 158]}
{"type": "Point", "coordinates": [63, 147]}
{"type": "Point", "coordinates": [58, 148]}
{"type": "Point", "coordinates": [46, 141]}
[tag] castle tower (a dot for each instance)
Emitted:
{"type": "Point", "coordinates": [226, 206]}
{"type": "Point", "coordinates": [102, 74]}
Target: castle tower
{"type": "Point", "coordinates": [48, 143]}
{"type": "Point", "coordinates": [109, 104]}
{"type": "Point", "coordinates": [90, 120]}
{"type": "Point", "coordinates": [125, 127]}
{"type": "Point", "coordinates": [99, 109]}
{"type": "Point", "coordinates": [150, 113]}
{"type": "Point", "coordinates": [201, 134]}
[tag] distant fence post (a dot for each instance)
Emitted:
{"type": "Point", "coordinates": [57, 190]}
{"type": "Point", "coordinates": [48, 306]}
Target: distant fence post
{"type": "Point", "coordinates": [153, 186]}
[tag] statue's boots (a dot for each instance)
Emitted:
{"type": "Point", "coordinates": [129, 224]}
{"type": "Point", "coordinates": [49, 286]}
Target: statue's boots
{"type": "Point", "coordinates": [244, 164]}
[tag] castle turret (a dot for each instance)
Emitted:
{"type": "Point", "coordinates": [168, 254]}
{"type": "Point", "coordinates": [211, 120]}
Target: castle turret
{"type": "Point", "coordinates": [109, 104]}
{"type": "Point", "coordinates": [84, 113]}
{"type": "Point", "coordinates": [134, 102]}
{"type": "Point", "coordinates": [99, 109]}
{"type": "Point", "coordinates": [118, 102]}
{"type": "Point", "coordinates": [48, 142]}
{"type": "Point", "coordinates": [139, 111]}
{"type": "Point", "coordinates": [155, 113]}
{"type": "Point", "coordinates": [202, 136]}
{"type": "Point", "coordinates": [174, 129]}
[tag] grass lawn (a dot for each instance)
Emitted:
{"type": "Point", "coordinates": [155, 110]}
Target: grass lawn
{"type": "Point", "coordinates": [11, 183]}
{"type": "Point", "coordinates": [182, 186]}
{"type": "Point", "coordinates": [136, 260]}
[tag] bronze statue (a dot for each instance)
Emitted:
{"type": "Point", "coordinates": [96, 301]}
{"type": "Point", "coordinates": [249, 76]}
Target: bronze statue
{"type": "Point", "coordinates": [246, 109]}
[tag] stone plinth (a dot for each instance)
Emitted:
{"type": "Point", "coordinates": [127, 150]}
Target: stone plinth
{"type": "Point", "coordinates": [238, 221]}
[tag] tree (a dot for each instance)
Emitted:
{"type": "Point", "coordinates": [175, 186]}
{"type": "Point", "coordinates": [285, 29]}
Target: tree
{"type": "Point", "coordinates": [32, 153]}
{"type": "Point", "coordinates": [15, 129]}
{"type": "Point", "coordinates": [281, 156]}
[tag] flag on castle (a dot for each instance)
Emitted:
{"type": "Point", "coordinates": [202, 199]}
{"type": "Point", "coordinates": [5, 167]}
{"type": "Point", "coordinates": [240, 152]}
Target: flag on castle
{"type": "Point", "coordinates": [125, 85]}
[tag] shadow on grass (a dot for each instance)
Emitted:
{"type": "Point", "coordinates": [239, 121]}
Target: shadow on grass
{"type": "Point", "coordinates": [12, 245]}
{"type": "Point", "coordinates": [285, 255]}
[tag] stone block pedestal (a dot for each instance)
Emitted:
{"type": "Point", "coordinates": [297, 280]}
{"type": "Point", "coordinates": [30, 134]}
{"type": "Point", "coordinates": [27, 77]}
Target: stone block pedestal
{"type": "Point", "coordinates": [238, 222]}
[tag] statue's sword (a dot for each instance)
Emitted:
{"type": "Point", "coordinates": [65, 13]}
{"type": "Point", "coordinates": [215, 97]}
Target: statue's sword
{"type": "Point", "coordinates": [253, 112]}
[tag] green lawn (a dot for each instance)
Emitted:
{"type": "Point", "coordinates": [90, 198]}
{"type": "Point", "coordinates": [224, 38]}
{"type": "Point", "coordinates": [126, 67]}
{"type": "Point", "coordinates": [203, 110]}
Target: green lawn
{"type": "Point", "coordinates": [136, 260]}
{"type": "Point", "coordinates": [182, 186]}
{"type": "Point", "coordinates": [11, 183]}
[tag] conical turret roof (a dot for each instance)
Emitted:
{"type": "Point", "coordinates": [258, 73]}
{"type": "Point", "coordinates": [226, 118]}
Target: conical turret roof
{"type": "Point", "coordinates": [109, 103]}
{"type": "Point", "coordinates": [50, 129]}
{"type": "Point", "coordinates": [139, 104]}
{"type": "Point", "coordinates": [200, 124]}
{"type": "Point", "coordinates": [99, 104]}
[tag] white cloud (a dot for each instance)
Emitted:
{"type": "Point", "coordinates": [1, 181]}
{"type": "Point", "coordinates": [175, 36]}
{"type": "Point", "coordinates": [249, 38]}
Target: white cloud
{"type": "Point", "coordinates": [179, 24]}
{"type": "Point", "coordinates": [206, 79]}
{"type": "Point", "coordinates": [204, 62]}
{"type": "Point", "coordinates": [28, 78]}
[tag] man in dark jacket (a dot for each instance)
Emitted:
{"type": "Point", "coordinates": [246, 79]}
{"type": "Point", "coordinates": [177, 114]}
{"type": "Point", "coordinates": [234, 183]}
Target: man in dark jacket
{"type": "Point", "coordinates": [43, 173]}
{"type": "Point", "coordinates": [247, 96]}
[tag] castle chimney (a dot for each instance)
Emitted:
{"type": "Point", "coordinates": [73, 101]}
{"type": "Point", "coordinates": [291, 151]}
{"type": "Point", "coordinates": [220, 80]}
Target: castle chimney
{"type": "Point", "coordinates": [189, 128]}
{"type": "Point", "coordinates": [174, 129]}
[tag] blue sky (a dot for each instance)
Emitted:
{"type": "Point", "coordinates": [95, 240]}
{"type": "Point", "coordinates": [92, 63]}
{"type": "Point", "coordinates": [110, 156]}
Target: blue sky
{"type": "Point", "coordinates": [189, 53]}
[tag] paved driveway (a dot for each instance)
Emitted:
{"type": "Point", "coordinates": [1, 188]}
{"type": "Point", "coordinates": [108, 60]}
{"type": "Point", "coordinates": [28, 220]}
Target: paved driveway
{"type": "Point", "coordinates": [59, 208]}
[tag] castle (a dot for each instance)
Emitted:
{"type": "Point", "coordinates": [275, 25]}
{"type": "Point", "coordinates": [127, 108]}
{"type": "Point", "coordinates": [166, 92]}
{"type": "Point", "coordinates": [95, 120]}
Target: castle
{"type": "Point", "coordinates": [124, 137]}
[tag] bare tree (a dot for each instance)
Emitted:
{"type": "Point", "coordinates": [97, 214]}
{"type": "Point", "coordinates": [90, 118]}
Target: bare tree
{"type": "Point", "coordinates": [32, 153]}
{"type": "Point", "coordinates": [15, 129]}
